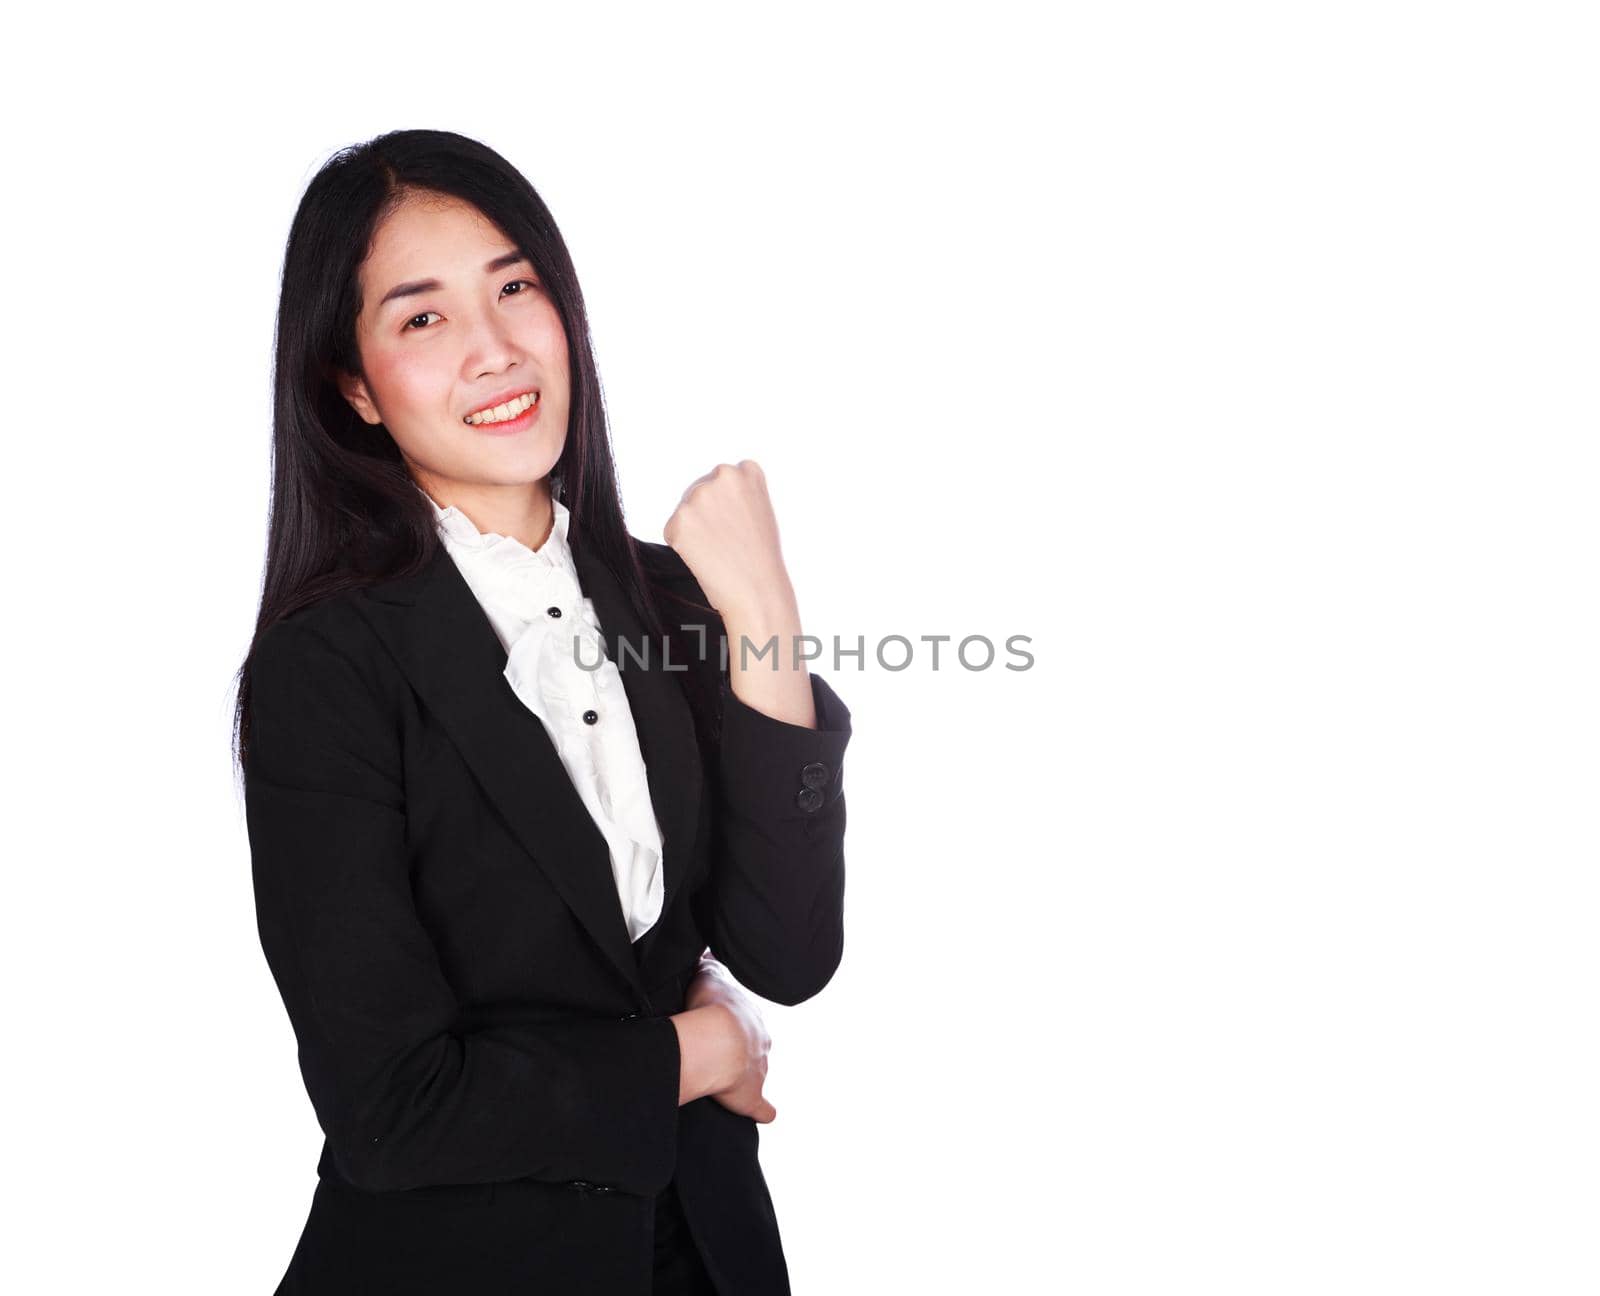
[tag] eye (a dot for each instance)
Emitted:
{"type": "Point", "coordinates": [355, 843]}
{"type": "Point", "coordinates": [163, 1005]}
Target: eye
{"type": "Point", "coordinates": [410, 324]}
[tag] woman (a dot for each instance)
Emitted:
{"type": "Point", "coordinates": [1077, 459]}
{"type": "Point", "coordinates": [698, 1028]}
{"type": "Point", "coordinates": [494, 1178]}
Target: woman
{"type": "Point", "coordinates": [518, 802]}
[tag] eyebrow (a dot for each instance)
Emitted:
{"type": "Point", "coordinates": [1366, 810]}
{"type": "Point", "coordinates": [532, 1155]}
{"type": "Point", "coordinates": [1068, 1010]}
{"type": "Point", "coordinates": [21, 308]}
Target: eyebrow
{"type": "Point", "coordinates": [432, 285]}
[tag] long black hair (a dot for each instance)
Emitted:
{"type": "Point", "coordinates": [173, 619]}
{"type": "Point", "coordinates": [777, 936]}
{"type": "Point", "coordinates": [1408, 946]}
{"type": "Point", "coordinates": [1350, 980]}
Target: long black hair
{"type": "Point", "coordinates": [345, 511]}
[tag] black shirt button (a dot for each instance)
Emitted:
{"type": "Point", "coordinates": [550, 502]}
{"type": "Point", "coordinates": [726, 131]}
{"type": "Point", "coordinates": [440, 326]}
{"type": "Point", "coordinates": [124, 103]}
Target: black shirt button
{"type": "Point", "coordinates": [814, 775]}
{"type": "Point", "coordinates": [809, 800]}
{"type": "Point", "coordinates": [553, 611]}
{"type": "Point", "coordinates": [589, 717]}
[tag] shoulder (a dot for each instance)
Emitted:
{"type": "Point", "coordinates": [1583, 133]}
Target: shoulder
{"type": "Point", "coordinates": [662, 560]}
{"type": "Point", "coordinates": [671, 575]}
{"type": "Point", "coordinates": [330, 624]}
{"type": "Point", "coordinates": [667, 571]}
{"type": "Point", "coordinates": [328, 647]}
{"type": "Point", "coordinates": [325, 712]}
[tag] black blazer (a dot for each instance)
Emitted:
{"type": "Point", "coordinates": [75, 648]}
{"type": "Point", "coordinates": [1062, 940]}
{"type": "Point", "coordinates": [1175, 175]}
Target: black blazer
{"type": "Point", "coordinates": [488, 1055]}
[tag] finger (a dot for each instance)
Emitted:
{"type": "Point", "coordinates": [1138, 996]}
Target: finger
{"type": "Point", "coordinates": [698, 481]}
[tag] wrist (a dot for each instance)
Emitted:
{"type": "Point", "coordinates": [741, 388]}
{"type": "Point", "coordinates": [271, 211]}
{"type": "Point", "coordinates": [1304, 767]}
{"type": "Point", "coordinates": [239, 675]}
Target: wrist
{"type": "Point", "coordinates": [763, 613]}
{"type": "Point", "coordinates": [709, 984]}
{"type": "Point", "coordinates": [708, 1051]}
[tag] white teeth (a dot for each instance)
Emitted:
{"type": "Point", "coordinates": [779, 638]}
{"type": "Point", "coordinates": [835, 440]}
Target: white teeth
{"type": "Point", "coordinates": [500, 413]}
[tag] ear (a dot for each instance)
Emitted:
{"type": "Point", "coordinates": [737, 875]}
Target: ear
{"type": "Point", "coordinates": [354, 390]}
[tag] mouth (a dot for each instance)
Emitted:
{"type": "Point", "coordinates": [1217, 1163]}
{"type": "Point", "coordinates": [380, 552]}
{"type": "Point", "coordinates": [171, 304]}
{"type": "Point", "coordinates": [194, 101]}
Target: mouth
{"type": "Point", "coordinates": [510, 415]}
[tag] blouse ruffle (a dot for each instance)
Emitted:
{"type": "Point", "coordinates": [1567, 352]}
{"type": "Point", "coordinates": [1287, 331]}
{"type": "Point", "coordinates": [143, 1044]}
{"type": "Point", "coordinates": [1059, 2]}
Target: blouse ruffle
{"type": "Point", "coordinates": [558, 668]}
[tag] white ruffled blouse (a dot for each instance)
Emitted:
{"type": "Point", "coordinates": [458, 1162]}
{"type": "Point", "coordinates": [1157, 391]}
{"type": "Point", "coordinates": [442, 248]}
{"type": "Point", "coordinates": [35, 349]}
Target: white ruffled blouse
{"type": "Point", "coordinates": [520, 589]}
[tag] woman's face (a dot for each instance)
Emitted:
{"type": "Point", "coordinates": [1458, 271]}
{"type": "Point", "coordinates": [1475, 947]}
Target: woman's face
{"type": "Point", "coordinates": [453, 320]}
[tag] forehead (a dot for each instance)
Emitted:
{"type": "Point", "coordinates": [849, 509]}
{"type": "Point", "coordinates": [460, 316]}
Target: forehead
{"type": "Point", "coordinates": [427, 237]}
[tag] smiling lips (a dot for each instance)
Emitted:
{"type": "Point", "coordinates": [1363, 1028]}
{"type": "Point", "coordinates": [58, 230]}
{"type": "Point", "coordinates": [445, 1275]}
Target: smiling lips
{"type": "Point", "coordinates": [505, 412]}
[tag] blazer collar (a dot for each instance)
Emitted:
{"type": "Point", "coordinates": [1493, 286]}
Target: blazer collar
{"type": "Point", "coordinates": [448, 650]}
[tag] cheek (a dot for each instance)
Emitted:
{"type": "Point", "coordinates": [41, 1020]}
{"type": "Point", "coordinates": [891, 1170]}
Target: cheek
{"type": "Point", "coordinates": [547, 339]}
{"type": "Point", "coordinates": [408, 386]}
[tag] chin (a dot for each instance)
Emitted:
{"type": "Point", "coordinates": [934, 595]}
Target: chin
{"type": "Point", "coordinates": [502, 474]}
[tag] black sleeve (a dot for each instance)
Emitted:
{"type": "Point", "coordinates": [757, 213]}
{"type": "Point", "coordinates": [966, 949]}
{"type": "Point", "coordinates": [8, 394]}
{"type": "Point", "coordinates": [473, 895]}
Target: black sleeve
{"type": "Point", "coordinates": [773, 910]}
{"type": "Point", "coordinates": [405, 1095]}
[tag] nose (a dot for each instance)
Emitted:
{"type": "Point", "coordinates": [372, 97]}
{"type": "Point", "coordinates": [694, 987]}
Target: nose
{"type": "Point", "coordinates": [490, 347]}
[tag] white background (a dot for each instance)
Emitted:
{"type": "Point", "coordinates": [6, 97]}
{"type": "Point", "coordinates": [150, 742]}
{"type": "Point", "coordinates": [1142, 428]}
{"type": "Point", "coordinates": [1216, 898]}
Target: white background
{"type": "Point", "coordinates": [1243, 356]}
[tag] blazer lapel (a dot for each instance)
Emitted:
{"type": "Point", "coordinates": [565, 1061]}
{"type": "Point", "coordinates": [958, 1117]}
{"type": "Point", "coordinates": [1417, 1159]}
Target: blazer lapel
{"type": "Point", "coordinates": [443, 641]}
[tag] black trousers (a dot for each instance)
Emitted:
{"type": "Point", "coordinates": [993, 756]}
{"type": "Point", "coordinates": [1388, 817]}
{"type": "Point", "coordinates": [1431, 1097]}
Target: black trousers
{"type": "Point", "coordinates": [679, 1271]}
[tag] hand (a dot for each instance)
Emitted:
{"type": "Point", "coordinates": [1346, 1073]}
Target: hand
{"type": "Point", "coordinates": [726, 533]}
{"type": "Point", "coordinates": [713, 987]}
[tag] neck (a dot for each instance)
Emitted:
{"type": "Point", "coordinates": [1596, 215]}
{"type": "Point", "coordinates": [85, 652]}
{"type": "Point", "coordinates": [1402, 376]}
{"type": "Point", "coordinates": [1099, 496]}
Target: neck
{"type": "Point", "coordinates": [521, 510]}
